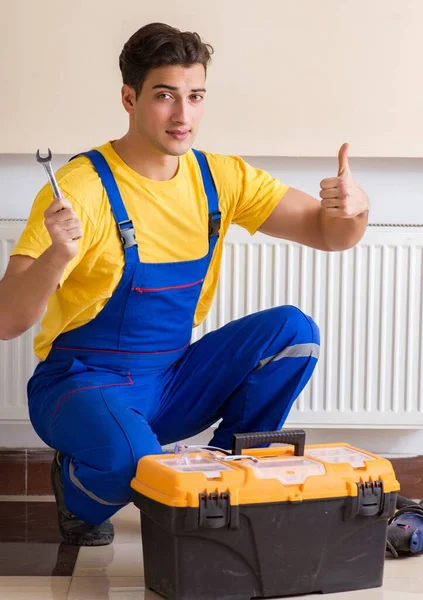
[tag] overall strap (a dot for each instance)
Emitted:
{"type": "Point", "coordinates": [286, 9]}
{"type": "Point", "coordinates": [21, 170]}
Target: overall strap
{"type": "Point", "coordinates": [124, 224]}
{"type": "Point", "coordinates": [211, 193]}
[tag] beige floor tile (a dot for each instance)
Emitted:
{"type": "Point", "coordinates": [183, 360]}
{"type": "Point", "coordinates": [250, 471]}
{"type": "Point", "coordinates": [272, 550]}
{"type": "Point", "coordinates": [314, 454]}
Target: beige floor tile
{"type": "Point", "coordinates": [405, 586]}
{"type": "Point", "coordinates": [116, 560]}
{"type": "Point", "coordinates": [393, 589]}
{"type": "Point", "coordinates": [34, 588]}
{"type": "Point", "coordinates": [127, 525]}
{"type": "Point", "coordinates": [409, 567]}
{"type": "Point", "coordinates": [109, 588]}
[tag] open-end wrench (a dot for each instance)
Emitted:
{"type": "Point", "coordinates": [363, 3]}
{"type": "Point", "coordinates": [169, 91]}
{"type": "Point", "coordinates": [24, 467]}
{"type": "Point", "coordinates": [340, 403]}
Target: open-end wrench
{"type": "Point", "coordinates": [46, 162]}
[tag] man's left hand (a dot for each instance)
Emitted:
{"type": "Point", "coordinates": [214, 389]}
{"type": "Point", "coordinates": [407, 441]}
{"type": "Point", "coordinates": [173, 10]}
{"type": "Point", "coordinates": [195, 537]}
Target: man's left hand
{"type": "Point", "coordinates": [341, 196]}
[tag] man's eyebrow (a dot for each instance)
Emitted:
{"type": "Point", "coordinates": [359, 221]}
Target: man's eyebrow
{"type": "Point", "coordinates": [174, 88]}
{"type": "Point", "coordinates": [164, 85]}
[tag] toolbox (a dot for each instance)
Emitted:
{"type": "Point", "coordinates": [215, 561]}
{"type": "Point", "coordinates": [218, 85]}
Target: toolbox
{"type": "Point", "coordinates": [271, 522]}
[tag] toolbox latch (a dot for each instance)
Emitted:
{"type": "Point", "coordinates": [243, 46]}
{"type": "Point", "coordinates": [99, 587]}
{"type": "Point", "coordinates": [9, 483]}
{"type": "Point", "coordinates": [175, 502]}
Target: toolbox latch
{"type": "Point", "coordinates": [370, 500]}
{"type": "Point", "coordinates": [215, 511]}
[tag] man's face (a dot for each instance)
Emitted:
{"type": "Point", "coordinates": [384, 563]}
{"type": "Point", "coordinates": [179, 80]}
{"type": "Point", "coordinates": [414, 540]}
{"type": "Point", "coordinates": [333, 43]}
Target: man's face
{"type": "Point", "coordinates": [168, 110]}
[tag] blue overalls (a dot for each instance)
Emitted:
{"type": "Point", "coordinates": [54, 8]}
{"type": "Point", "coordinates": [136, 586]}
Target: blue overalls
{"type": "Point", "coordinates": [129, 381]}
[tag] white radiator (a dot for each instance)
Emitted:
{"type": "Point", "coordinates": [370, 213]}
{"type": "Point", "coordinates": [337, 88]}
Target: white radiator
{"type": "Point", "coordinates": [17, 360]}
{"type": "Point", "coordinates": [368, 303]}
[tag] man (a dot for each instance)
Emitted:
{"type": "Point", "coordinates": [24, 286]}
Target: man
{"type": "Point", "coordinates": [124, 266]}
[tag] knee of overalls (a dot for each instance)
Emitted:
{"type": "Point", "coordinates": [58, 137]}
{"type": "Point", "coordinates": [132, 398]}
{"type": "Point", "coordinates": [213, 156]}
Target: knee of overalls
{"type": "Point", "coordinates": [105, 438]}
{"type": "Point", "coordinates": [102, 457]}
{"type": "Point", "coordinates": [104, 474]}
{"type": "Point", "coordinates": [289, 322]}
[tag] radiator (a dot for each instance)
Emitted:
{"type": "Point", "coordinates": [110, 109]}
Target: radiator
{"type": "Point", "coordinates": [17, 360]}
{"type": "Point", "coordinates": [368, 303]}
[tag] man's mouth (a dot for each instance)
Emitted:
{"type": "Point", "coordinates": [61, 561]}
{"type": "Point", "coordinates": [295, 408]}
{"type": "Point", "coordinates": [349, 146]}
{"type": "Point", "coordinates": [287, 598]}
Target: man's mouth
{"type": "Point", "coordinates": [179, 134]}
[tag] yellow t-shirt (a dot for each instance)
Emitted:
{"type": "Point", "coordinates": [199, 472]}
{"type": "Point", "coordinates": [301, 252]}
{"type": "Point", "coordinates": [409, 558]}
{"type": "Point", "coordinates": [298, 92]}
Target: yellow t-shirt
{"type": "Point", "coordinates": [170, 220]}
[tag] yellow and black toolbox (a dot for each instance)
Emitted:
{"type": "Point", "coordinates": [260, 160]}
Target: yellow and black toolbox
{"type": "Point", "coordinates": [273, 522]}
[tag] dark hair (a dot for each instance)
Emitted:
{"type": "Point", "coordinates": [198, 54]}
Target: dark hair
{"type": "Point", "coordinates": [157, 45]}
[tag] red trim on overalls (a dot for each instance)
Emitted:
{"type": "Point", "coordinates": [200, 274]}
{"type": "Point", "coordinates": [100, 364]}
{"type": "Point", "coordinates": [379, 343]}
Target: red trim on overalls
{"type": "Point", "coordinates": [89, 387]}
{"type": "Point", "coordinates": [163, 289]}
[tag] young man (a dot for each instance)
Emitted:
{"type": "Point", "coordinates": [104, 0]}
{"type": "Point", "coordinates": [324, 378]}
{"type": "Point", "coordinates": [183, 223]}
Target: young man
{"type": "Point", "coordinates": [129, 261]}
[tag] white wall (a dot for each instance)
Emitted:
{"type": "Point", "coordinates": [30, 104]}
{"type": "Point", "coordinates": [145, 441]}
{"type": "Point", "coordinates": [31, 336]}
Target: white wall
{"type": "Point", "coordinates": [395, 187]}
{"type": "Point", "coordinates": [301, 74]}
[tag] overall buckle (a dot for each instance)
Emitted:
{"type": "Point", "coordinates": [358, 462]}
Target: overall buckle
{"type": "Point", "coordinates": [127, 234]}
{"type": "Point", "coordinates": [214, 223]}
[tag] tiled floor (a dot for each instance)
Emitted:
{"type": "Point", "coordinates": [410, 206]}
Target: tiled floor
{"type": "Point", "coordinates": [29, 544]}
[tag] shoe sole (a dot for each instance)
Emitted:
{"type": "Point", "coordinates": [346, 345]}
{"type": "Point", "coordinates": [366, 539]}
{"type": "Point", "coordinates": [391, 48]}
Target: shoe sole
{"type": "Point", "coordinates": [88, 543]}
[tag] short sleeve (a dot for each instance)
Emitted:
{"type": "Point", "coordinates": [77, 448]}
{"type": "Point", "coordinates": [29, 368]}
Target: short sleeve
{"type": "Point", "coordinates": [259, 193]}
{"type": "Point", "coordinates": [35, 238]}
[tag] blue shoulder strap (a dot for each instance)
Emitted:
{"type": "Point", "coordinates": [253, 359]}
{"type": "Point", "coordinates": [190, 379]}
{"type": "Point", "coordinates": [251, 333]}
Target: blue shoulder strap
{"type": "Point", "coordinates": [211, 193]}
{"type": "Point", "coordinates": [125, 226]}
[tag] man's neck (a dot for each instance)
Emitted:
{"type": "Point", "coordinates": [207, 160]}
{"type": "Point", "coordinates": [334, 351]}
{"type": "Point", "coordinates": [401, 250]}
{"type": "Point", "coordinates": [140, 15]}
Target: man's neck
{"type": "Point", "coordinates": [146, 161]}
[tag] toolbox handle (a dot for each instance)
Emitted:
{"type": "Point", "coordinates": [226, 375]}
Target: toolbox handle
{"type": "Point", "coordinates": [295, 437]}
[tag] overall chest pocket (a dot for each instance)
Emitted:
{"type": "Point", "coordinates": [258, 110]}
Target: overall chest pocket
{"type": "Point", "coordinates": [160, 319]}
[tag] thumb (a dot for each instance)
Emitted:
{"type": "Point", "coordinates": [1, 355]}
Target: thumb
{"type": "Point", "coordinates": [343, 165]}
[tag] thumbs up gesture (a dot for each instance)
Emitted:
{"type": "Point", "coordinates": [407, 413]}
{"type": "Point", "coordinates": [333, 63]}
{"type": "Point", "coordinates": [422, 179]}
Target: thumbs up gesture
{"type": "Point", "coordinates": [341, 196]}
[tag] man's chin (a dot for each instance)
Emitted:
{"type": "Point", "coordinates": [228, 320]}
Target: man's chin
{"type": "Point", "coordinates": [179, 153]}
{"type": "Point", "coordinates": [179, 148]}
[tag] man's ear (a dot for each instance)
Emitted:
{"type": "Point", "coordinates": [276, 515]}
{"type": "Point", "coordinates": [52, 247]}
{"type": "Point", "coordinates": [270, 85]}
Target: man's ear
{"type": "Point", "coordinates": [128, 98]}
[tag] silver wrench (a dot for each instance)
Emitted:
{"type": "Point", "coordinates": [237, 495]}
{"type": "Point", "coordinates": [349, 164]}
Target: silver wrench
{"type": "Point", "coordinates": [46, 162]}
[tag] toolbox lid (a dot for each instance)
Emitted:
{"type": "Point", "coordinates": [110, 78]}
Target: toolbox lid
{"type": "Point", "coordinates": [341, 454]}
{"type": "Point", "coordinates": [197, 463]}
{"type": "Point", "coordinates": [288, 471]}
{"type": "Point", "coordinates": [265, 475]}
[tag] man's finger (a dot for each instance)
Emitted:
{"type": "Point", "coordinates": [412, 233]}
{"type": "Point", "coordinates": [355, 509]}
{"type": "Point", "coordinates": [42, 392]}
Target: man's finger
{"type": "Point", "coordinates": [330, 193]}
{"type": "Point", "coordinates": [330, 203]}
{"type": "Point", "coordinates": [330, 182]}
{"type": "Point", "coordinates": [57, 205]}
{"type": "Point", "coordinates": [343, 164]}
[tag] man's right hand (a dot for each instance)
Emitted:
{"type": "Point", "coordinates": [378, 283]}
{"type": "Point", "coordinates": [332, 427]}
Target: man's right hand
{"type": "Point", "coordinates": [63, 226]}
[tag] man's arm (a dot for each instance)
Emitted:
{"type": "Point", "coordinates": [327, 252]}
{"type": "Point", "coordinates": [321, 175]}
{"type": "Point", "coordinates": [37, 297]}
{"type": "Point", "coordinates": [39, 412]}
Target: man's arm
{"type": "Point", "coordinates": [28, 283]}
{"type": "Point", "coordinates": [337, 222]}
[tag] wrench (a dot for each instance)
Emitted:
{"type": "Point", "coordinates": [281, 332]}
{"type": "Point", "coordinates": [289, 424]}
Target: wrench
{"type": "Point", "coordinates": [46, 162]}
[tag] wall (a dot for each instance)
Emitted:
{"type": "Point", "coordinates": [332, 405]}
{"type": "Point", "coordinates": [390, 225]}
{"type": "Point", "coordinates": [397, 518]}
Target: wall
{"type": "Point", "coordinates": [288, 78]}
